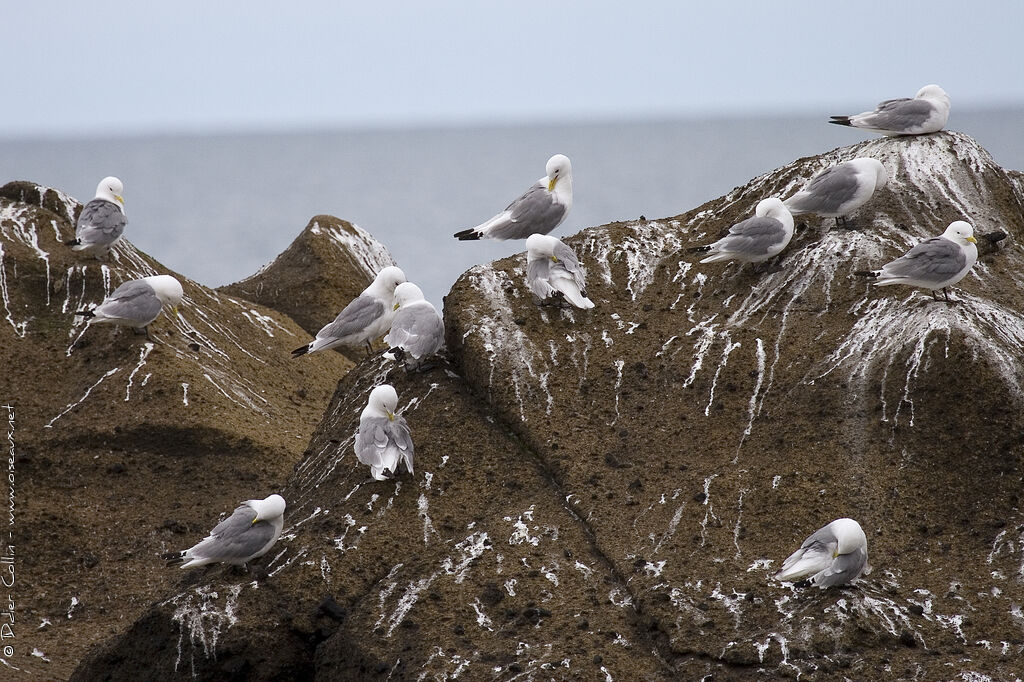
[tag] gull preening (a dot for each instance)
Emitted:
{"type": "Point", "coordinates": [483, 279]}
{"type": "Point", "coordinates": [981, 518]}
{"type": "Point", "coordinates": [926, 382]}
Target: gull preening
{"type": "Point", "coordinates": [839, 190]}
{"type": "Point", "coordinates": [834, 555]}
{"type": "Point", "coordinates": [755, 239]}
{"type": "Point", "coordinates": [417, 332]}
{"type": "Point", "coordinates": [247, 534]}
{"type": "Point", "coordinates": [383, 441]}
{"type": "Point", "coordinates": [539, 210]}
{"type": "Point", "coordinates": [364, 320]}
{"type": "Point", "coordinates": [553, 271]}
{"type": "Point", "coordinates": [926, 113]}
{"type": "Point", "coordinates": [137, 302]}
{"type": "Point", "coordinates": [935, 263]}
{"type": "Point", "coordinates": [102, 221]}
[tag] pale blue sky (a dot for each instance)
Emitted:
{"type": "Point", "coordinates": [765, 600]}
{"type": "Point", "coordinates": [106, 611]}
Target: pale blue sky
{"type": "Point", "coordinates": [103, 68]}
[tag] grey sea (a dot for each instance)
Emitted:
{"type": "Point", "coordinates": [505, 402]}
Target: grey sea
{"type": "Point", "coordinates": [216, 208]}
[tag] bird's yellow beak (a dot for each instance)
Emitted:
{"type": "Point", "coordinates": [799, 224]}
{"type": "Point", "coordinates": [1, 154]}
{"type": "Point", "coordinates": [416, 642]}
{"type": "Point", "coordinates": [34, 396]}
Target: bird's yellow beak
{"type": "Point", "coordinates": [972, 240]}
{"type": "Point", "coordinates": [554, 259]}
{"type": "Point", "coordinates": [396, 307]}
{"type": "Point", "coordinates": [835, 554]}
{"type": "Point", "coordinates": [391, 416]}
{"type": "Point", "coordinates": [255, 520]}
{"type": "Point", "coordinates": [551, 183]}
{"type": "Point", "coordinates": [174, 309]}
{"type": "Point", "coordinates": [120, 199]}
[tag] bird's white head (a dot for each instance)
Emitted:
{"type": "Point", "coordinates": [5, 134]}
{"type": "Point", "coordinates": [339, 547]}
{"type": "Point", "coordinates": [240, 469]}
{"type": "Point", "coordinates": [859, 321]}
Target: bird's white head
{"type": "Point", "coordinates": [771, 206]}
{"type": "Point", "coordinates": [267, 509]}
{"type": "Point", "coordinates": [932, 92]}
{"type": "Point", "coordinates": [389, 278]}
{"type": "Point", "coordinates": [110, 189]}
{"type": "Point", "coordinates": [540, 246]}
{"type": "Point", "coordinates": [406, 293]}
{"type": "Point", "coordinates": [961, 232]}
{"type": "Point", "coordinates": [167, 289]}
{"type": "Point", "coordinates": [383, 401]}
{"type": "Point", "coordinates": [849, 536]}
{"type": "Point", "coordinates": [558, 169]}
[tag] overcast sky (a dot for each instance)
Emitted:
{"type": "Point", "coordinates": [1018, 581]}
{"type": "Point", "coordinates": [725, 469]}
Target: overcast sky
{"type": "Point", "coordinates": [112, 68]}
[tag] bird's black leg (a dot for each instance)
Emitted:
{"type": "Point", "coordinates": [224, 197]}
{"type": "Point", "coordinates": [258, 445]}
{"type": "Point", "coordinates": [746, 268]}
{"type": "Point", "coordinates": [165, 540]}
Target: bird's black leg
{"type": "Point", "coordinates": [369, 348]}
{"type": "Point", "coordinates": [946, 294]}
{"type": "Point", "coordinates": [934, 297]}
{"type": "Point", "coordinates": [841, 222]}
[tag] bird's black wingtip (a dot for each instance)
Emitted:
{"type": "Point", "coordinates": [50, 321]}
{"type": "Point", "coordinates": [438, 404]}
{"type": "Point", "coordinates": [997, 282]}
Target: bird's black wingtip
{"type": "Point", "coordinates": [467, 235]}
{"type": "Point", "coordinates": [699, 249]}
{"type": "Point", "coordinates": [86, 313]}
{"type": "Point", "coordinates": [300, 351]}
{"type": "Point", "coordinates": [841, 120]}
{"type": "Point", "coordinates": [173, 557]}
{"type": "Point", "coordinates": [72, 242]}
{"type": "Point", "coordinates": [866, 273]}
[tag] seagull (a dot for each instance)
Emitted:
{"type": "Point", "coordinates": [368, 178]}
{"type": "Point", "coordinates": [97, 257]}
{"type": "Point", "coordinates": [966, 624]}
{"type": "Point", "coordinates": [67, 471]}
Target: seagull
{"type": "Point", "coordinates": [926, 113]}
{"type": "Point", "coordinates": [839, 190]}
{"type": "Point", "coordinates": [935, 263]}
{"type": "Point", "coordinates": [756, 239]}
{"type": "Point", "coordinates": [417, 331]}
{"type": "Point", "coordinates": [102, 220]}
{"type": "Point", "coordinates": [365, 319]}
{"type": "Point", "coordinates": [383, 441]}
{"type": "Point", "coordinates": [834, 555]}
{"type": "Point", "coordinates": [539, 210]}
{"type": "Point", "coordinates": [247, 534]}
{"type": "Point", "coordinates": [137, 302]}
{"type": "Point", "coordinates": [553, 271]}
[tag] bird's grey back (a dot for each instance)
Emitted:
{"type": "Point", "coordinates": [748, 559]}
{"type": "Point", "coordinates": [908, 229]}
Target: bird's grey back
{"type": "Point", "coordinates": [418, 329]}
{"type": "Point", "coordinates": [104, 219]}
{"type": "Point", "coordinates": [376, 433]}
{"type": "Point", "coordinates": [535, 212]}
{"type": "Point", "coordinates": [567, 257]}
{"type": "Point", "coordinates": [844, 568]}
{"type": "Point", "coordinates": [236, 537]}
{"type": "Point", "coordinates": [900, 114]}
{"type": "Point", "coordinates": [134, 300]}
{"type": "Point", "coordinates": [827, 191]}
{"type": "Point", "coordinates": [755, 235]}
{"type": "Point", "coordinates": [354, 318]}
{"type": "Point", "coordinates": [937, 258]}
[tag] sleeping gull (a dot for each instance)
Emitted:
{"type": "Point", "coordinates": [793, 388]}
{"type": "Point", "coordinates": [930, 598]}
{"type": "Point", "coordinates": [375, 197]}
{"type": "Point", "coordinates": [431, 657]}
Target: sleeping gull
{"type": "Point", "coordinates": [833, 555]}
{"type": "Point", "coordinates": [840, 190]}
{"type": "Point", "coordinates": [553, 271]}
{"type": "Point", "coordinates": [417, 331]}
{"type": "Point", "coordinates": [935, 263]}
{"type": "Point", "coordinates": [102, 220]}
{"type": "Point", "coordinates": [539, 210]}
{"type": "Point", "coordinates": [926, 113]}
{"type": "Point", "coordinates": [756, 239]}
{"type": "Point", "coordinates": [383, 442]}
{"type": "Point", "coordinates": [247, 534]}
{"type": "Point", "coordinates": [137, 302]}
{"type": "Point", "coordinates": [365, 319]}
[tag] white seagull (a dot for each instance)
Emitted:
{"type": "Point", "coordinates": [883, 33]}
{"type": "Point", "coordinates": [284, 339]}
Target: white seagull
{"type": "Point", "coordinates": [935, 263]}
{"type": "Point", "coordinates": [926, 113]}
{"type": "Point", "coordinates": [833, 555]}
{"type": "Point", "coordinates": [365, 319]}
{"type": "Point", "coordinates": [383, 441]}
{"type": "Point", "coordinates": [553, 271]}
{"type": "Point", "coordinates": [756, 239]}
{"type": "Point", "coordinates": [539, 210]}
{"type": "Point", "coordinates": [839, 190]}
{"type": "Point", "coordinates": [417, 331]}
{"type": "Point", "coordinates": [102, 221]}
{"type": "Point", "coordinates": [247, 534]}
{"type": "Point", "coordinates": [137, 302]}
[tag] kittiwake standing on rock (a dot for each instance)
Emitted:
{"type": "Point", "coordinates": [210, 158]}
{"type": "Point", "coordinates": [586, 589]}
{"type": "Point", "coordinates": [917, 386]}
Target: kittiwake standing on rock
{"type": "Point", "coordinates": [383, 441]}
{"type": "Point", "coordinates": [553, 271]}
{"type": "Point", "coordinates": [935, 263]}
{"type": "Point", "coordinates": [926, 113]}
{"type": "Point", "coordinates": [539, 210]}
{"type": "Point", "coordinates": [839, 190]}
{"type": "Point", "coordinates": [364, 320]}
{"type": "Point", "coordinates": [102, 220]}
{"type": "Point", "coordinates": [137, 302]}
{"type": "Point", "coordinates": [247, 534]}
{"type": "Point", "coordinates": [834, 555]}
{"type": "Point", "coordinates": [756, 239]}
{"type": "Point", "coordinates": [417, 331]}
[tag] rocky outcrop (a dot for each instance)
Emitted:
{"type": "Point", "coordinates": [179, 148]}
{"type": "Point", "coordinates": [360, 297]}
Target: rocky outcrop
{"type": "Point", "coordinates": [604, 494]}
{"type": "Point", "coordinates": [126, 448]}
{"type": "Point", "coordinates": [327, 266]}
